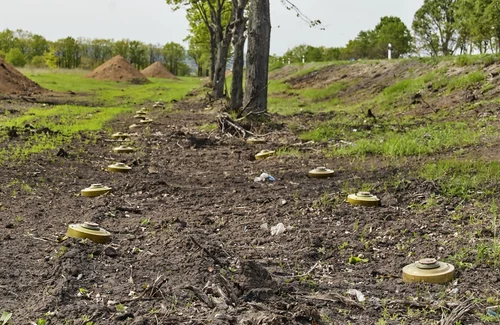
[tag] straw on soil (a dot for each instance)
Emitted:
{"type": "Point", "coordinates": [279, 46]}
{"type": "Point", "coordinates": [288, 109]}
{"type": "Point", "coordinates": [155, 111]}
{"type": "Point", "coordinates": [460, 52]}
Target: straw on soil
{"type": "Point", "coordinates": [118, 69]}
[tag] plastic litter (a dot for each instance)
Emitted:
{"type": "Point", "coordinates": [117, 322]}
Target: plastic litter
{"type": "Point", "coordinates": [264, 177]}
{"type": "Point", "coordinates": [278, 229]}
{"type": "Point", "coordinates": [493, 311]}
{"type": "Point", "coordinates": [359, 296]}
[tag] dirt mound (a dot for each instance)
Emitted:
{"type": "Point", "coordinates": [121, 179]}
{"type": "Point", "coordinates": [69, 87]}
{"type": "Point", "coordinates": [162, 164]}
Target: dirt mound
{"type": "Point", "coordinates": [118, 69]}
{"type": "Point", "coordinates": [158, 70]}
{"type": "Point", "coordinates": [14, 82]}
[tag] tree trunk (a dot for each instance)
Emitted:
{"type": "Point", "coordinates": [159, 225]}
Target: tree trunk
{"type": "Point", "coordinates": [213, 46]}
{"type": "Point", "coordinates": [220, 67]}
{"type": "Point", "coordinates": [239, 53]}
{"type": "Point", "coordinates": [259, 40]}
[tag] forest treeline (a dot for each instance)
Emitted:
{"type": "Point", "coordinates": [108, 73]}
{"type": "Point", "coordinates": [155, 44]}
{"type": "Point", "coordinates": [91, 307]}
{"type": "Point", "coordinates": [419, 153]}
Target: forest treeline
{"type": "Point", "coordinates": [21, 48]}
{"type": "Point", "coordinates": [440, 27]}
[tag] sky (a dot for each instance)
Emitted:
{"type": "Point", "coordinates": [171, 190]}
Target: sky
{"type": "Point", "coordinates": [152, 21]}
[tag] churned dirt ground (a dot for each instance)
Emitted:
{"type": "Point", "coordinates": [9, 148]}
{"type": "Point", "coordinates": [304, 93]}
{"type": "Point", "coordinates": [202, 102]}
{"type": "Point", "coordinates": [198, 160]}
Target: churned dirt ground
{"type": "Point", "coordinates": [189, 241]}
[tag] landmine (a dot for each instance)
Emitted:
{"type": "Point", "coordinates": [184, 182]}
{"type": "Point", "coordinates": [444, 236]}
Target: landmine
{"type": "Point", "coordinates": [146, 121]}
{"type": "Point", "coordinates": [95, 190]}
{"type": "Point", "coordinates": [120, 135]}
{"type": "Point", "coordinates": [264, 154]}
{"type": "Point", "coordinates": [253, 140]}
{"type": "Point", "coordinates": [429, 270]}
{"type": "Point", "coordinates": [123, 149]}
{"type": "Point", "coordinates": [364, 199]}
{"type": "Point", "coordinates": [119, 168]}
{"type": "Point", "coordinates": [321, 172]}
{"type": "Point", "coordinates": [89, 230]}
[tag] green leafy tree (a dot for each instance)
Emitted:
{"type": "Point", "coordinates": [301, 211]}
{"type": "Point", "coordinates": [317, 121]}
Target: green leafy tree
{"type": "Point", "coordinates": [174, 55]}
{"type": "Point", "coordinates": [155, 53]}
{"type": "Point", "coordinates": [361, 46]}
{"type": "Point", "coordinates": [51, 58]}
{"type": "Point", "coordinates": [213, 15]}
{"type": "Point", "coordinates": [7, 40]}
{"type": "Point", "coordinates": [392, 30]}
{"type": "Point", "coordinates": [332, 54]}
{"type": "Point", "coordinates": [38, 62]}
{"type": "Point", "coordinates": [492, 19]}
{"type": "Point", "coordinates": [16, 58]}
{"type": "Point", "coordinates": [67, 51]}
{"type": "Point", "coordinates": [2, 54]}
{"type": "Point", "coordinates": [435, 28]}
{"type": "Point", "coordinates": [183, 69]}
{"type": "Point", "coordinates": [138, 54]}
{"type": "Point", "coordinates": [38, 45]}
{"type": "Point", "coordinates": [122, 48]}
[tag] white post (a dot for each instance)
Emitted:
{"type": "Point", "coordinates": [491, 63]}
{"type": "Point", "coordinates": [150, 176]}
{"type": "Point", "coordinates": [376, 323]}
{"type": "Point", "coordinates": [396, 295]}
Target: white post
{"type": "Point", "coordinates": [303, 59]}
{"type": "Point", "coordinates": [389, 51]}
{"type": "Point", "coordinates": [289, 61]}
{"type": "Point", "coordinates": [283, 60]}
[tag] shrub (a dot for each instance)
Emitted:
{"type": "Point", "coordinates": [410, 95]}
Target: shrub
{"type": "Point", "coordinates": [16, 58]}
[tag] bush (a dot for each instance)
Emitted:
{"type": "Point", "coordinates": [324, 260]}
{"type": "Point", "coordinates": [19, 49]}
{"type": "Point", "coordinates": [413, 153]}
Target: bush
{"type": "Point", "coordinates": [38, 62]}
{"type": "Point", "coordinates": [2, 54]}
{"type": "Point", "coordinates": [16, 58]}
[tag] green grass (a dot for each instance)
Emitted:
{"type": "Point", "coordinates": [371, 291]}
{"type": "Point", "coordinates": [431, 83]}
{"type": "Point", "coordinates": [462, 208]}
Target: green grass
{"type": "Point", "coordinates": [285, 100]}
{"type": "Point", "coordinates": [72, 122]}
{"type": "Point", "coordinates": [392, 141]}
{"type": "Point", "coordinates": [463, 178]}
{"type": "Point", "coordinates": [110, 93]}
{"type": "Point", "coordinates": [467, 80]}
{"type": "Point", "coordinates": [67, 122]}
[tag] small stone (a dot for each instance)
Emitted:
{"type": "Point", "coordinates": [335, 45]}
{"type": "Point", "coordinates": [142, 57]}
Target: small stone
{"type": "Point", "coordinates": [111, 251]}
{"type": "Point", "coordinates": [125, 316]}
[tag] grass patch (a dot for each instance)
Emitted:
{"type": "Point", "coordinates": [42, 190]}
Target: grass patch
{"type": "Point", "coordinates": [208, 127]}
{"type": "Point", "coordinates": [287, 151]}
{"type": "Point", "coordinates": [110, 93]}
{"type": "Point", "coordinates": [463, 178]}
{"type": "Point", "coordinates": [392, 141]}
{"type": "Point", "coordinates": [467, 80]}
{"type": "Point", "coordinates": [68, 123]}
{"type": "Point", "coordinates": [285, 100]}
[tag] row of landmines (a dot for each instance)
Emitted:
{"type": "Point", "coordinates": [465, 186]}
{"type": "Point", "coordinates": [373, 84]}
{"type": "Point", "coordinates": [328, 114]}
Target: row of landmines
{"type": "Point", "coordinates": [425, 270]}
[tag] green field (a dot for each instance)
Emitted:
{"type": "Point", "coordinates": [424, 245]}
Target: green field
{"type": "Point", "coordinates": [104, 101]}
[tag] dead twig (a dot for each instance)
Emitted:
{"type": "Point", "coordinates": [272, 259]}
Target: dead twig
{"type": "Point", "coordinates": [225, 120]}
{"type": "Point", "coordinates": [129, 209]}
{"type": "Point", "coordinates": [304, 274]}
{"type": "Point", "coordinates": [216, 260]}
{"type": "Point", "coordinates": [201, 296]}
{"type": "Point", "coordinates": [457, 313]}
{"type": "Point", "coordinates": [233, 297]}
{"type": "Point", "coordinates": [335, 297]}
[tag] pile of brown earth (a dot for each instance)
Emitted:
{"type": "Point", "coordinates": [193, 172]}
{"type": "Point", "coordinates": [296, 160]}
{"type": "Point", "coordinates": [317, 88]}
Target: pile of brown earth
{"type": "Point", "coordinates": [118, 69]}
{"type": "Point", "coordinates": [15, 83]}
{"type": "Point", "coordinates": [158, 70]}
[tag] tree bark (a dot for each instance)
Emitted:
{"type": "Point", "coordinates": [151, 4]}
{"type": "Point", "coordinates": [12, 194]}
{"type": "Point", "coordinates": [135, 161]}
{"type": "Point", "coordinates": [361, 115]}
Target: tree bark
{"type": "Point", "coordinates": [213, 46]}
{"type": "Point", "coordinates": [220, 66]}
{"type": "Point", "coordinates": [239, 54]}
{"type": "Point", "coordinates": [259, 40]}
